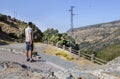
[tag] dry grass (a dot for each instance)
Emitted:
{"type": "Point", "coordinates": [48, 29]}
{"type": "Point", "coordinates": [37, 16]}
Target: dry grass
{"type": "Point", "coordinates": [65, 55]}
{"type": "Point", "coordinates": [52, 50]}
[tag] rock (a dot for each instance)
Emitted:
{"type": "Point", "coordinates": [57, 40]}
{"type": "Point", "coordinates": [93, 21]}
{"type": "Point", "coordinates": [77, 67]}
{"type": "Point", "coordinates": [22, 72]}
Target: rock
{"type": "Point", "coordinates": [118, 68]}
{"type": "Point", "coordinates": [1, 68]}
{"type": "Point", "coordinates": [12, 70]}
{"type": "Point", "coordinates": [115, 61]}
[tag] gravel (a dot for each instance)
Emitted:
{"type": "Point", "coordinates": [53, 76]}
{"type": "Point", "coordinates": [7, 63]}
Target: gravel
{"type": "Point", "coordinates": [58, 62]}
{"type": "Point", "coordinates": [53, 67]}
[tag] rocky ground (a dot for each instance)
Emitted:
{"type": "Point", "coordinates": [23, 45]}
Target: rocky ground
{"type": "Point", "coordinates": [13, 70]}
{"type": "Point", "coordinates": [14, 66]}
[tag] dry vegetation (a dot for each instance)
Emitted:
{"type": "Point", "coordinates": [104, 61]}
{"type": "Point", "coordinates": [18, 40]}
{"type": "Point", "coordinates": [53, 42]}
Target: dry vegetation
{"type": "Point", "coordinates": [52, 50]}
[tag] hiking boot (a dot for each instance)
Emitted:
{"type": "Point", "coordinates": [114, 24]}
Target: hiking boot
{"type": "Point", "coordinates": [32, 60]}
{"type": "Point", "coordinates": [28, 59]}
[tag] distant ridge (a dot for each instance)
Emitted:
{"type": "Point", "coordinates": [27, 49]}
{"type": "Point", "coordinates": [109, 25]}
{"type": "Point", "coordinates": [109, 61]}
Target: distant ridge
{"type": "Point", "coordinates": [99, 37]}
{"type": "Point", "coordinates": [94, 25]}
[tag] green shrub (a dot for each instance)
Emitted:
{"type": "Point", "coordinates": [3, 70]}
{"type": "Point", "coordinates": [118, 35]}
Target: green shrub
{"type": "Point", "coordinates": [12, 35]}
{"type": "Point", "coordinates": [109, 53]}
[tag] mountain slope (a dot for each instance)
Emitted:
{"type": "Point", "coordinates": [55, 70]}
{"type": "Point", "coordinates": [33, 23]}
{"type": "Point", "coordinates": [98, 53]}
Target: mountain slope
{"type": "Point", "coordinates": [104, 39]}
{"type": "Point", "coordinates": [14, 28]}
{"type": "Point", "coordinates": [97, 36]}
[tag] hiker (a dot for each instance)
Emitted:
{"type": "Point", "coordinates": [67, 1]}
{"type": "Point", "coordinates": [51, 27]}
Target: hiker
{"type": "Point", "coordinates": [29, 42]}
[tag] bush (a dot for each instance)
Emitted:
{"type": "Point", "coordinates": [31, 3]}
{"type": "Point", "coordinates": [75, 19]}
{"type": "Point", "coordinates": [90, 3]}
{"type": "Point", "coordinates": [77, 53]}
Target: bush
{"type": "Point", "coordinates": [69, 58]}
{"type": "Point", "coordinates": [12, 35]}
{"type": "Point", "coordinates": [64, 54]}
{"type": "Point", "coordinates": [109, 53]}
{"type": "Point", "coordinates": [3, 18]}
{"type": "Point", "coordinates": [57, 54]}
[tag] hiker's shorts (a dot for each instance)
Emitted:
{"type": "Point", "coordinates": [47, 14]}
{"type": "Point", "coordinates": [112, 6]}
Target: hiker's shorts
{"type": "Point", "coordinates": [29, 47]}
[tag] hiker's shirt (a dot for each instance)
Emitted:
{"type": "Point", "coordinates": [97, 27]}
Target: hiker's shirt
{"type": "Point", "coordinates": [28, 32]}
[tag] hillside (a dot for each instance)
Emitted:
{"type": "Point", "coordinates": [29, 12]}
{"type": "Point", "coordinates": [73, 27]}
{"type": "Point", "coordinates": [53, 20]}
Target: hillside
{"type": "Point", "coordinates": [14, 29]}
{"type": "Point", "coordinates": [99, 37]}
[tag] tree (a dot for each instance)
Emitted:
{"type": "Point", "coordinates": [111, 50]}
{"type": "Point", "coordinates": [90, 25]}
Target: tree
{"type": "Point", "coordinates": [37, 35]}
{"type": "Point", "coordinates": [55, 38]}
{"type": "Point", "coordinates": [52, 35]}
{"type": "Point", "coordinates": [12, 35]}
{"type": "Point", "coordinates": [49, 33]}
{"type": "Point", "coordinates": [66, 40]}
{"type": "Point", "coordinates": [3, 18]}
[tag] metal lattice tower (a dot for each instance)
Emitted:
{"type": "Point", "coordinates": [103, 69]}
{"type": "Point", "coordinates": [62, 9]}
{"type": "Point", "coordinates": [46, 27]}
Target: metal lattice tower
{"type": "Point", "coordinates": [71, 21]}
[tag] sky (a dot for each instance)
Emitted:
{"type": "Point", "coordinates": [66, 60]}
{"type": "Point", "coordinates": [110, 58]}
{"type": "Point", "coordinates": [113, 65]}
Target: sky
{"type": "Point", "coordinates": [55, 13]}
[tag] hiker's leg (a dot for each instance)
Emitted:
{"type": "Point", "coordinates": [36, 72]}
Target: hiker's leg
{"type": "Point", "coordinates": [30, 54]}
{"type": "Point", "coordinates": [31, 51]}
{"type": "Point", "coordinates": [27, 54]}
{"type": "Point", "coordinates": [27, 51]}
